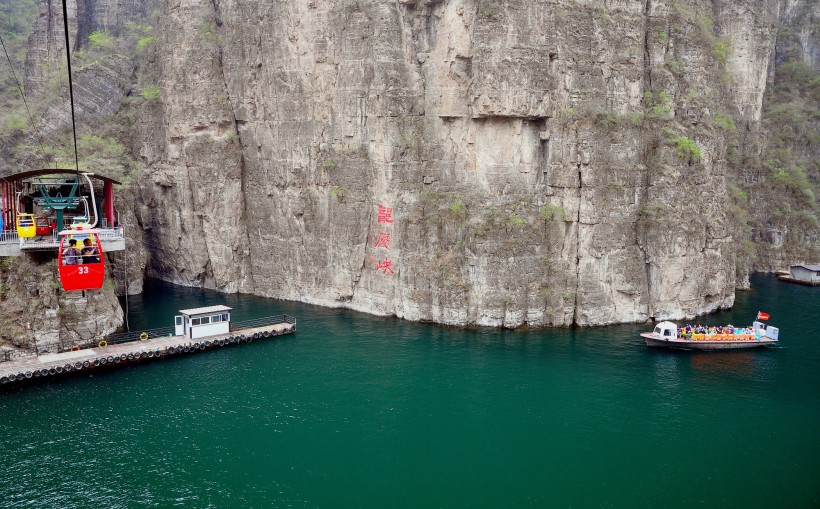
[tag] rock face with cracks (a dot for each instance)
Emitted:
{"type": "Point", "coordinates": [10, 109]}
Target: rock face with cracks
{"type": "Point", "coordinates": [39, 317]}
{"type": "Point", "coordinates": [502, 163]}
{"type": "Point", "coordinates": [484, 162]}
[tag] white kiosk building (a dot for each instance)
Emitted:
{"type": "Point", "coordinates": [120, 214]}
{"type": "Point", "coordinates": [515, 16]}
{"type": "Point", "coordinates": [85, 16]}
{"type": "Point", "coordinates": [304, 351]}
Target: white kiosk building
{"type": "Point", "coordinates": [200, 322]}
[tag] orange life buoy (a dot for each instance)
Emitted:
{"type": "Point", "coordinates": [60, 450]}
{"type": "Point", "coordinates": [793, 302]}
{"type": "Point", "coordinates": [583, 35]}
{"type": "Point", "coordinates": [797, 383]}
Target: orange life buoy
{"type": "Point", "coordinates": [75, 348]}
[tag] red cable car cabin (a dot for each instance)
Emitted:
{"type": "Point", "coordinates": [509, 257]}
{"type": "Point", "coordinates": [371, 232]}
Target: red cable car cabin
{"type": "Point", "coordinates": [83, 267]}
{"type": "Point", "coordinates": [44, 226]}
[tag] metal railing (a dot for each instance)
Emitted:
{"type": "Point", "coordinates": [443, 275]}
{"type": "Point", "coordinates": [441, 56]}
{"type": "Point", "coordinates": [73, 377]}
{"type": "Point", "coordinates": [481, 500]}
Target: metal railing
{"type": "Point", "coordinates": [9, 236]}
{"type": "Point", "coordinates": [104, 233]}
{"type": "Point", "coordinates": [262, 322]}
{"type": "Point", "coordinates": [127, 337]}
{"type": "Point", "coordinates": [111, 233]}
{"type": "Point", "coordinates": [10, 355]}
{"type": "Point", "coordinates": [49, 241]}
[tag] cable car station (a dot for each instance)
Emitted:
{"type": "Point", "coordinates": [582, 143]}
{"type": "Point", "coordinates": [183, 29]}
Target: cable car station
{"type": "Point", "coordinates": [35, 206]}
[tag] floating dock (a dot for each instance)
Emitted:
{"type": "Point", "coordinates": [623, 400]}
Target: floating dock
{"type": "Point", "coordinates": [137, 347]}
{"type": "Point", "coordinates": [804, 282]}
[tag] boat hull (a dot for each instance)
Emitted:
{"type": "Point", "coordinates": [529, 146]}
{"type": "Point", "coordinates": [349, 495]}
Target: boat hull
{"type": "Point", "coordinates": [688, 344]}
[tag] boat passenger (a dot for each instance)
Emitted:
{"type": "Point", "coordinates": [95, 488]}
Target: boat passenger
{"type": "Point", "coordinates": [90, 253]}
{"type": "Point", "coordinates": [71, 255]}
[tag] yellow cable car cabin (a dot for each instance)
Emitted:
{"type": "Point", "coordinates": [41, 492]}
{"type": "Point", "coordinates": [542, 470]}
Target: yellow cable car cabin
{"type": "Point", "coordinates": [25, 226]}
{"type": "Point", "coordinates": [78, 231]}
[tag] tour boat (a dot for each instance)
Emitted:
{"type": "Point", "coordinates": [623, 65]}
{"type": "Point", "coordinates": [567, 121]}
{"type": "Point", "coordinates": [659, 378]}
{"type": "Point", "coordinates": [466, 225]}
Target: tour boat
{"type": "Point", "coordinates": [667, 334]}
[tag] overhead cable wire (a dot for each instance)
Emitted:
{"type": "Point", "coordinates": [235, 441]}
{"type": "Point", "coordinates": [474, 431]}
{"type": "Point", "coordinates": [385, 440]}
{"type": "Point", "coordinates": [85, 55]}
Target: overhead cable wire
{"type": "Point", "coordinates": [22, 93]}
{"type": "Point", "coordinates": [125, 283]}
{"type": "Point", "coordinates": [70, 87]}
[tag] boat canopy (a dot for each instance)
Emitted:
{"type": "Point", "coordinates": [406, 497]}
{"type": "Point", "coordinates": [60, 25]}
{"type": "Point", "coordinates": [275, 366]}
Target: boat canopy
{"type": "Point", "coordinates": [666, 330]}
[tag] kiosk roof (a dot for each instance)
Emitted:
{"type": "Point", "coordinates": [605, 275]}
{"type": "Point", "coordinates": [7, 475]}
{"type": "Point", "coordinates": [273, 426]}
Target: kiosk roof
{"type": "Point", "coordinates": [204, 311]}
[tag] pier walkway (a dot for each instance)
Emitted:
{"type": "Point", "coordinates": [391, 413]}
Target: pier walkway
{"type": "Point", "coordinates": [135, 350]}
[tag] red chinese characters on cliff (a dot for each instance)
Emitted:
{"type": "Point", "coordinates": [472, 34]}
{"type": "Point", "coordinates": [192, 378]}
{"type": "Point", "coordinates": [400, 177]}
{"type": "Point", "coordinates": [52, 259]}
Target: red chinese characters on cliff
{"type": "Point", "coordinates": [383, 240]}
{"type": "Point", "coordinates": [385, 265]}
{"type": "Point", "coordinates": [384, 216]}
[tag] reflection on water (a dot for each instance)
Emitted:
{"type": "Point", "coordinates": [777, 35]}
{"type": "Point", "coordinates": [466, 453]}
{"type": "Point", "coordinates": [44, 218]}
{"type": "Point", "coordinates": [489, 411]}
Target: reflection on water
{"type": "Point", "coordinates": [667, 370]}
{"type": "Point", "coordinates": [740, 363]}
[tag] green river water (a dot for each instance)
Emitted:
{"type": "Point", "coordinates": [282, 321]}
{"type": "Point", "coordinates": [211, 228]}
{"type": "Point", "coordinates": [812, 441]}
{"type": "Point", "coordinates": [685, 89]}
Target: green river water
{"type": "Point", "coordinates": [357, 411]}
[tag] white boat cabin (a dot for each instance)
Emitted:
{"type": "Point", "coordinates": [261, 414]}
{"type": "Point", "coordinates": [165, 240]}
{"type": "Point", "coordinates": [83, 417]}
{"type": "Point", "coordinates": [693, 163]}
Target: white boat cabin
{"type": "Point", "coordinates": [771, 332]}
{"type": "Point", "coordinates": [666, 330]}
{"type": "Point", "coordinates": [201, 322]}
{"type": "Point", "coordinates": [806, 273]}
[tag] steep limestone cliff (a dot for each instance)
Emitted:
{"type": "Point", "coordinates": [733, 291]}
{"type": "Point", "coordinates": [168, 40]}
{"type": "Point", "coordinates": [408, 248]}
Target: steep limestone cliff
{"type": "Point", "coordinates": [542, 162]}
{"type": "Point", "coordinates": [782, 181]}
{"type": "Point", "coordinates": [506, 163]}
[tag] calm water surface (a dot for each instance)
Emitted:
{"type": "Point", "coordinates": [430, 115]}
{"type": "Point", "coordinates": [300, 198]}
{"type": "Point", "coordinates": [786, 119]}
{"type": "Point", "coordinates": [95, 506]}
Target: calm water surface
{"type": "Point", "coordinates": [356, 411]}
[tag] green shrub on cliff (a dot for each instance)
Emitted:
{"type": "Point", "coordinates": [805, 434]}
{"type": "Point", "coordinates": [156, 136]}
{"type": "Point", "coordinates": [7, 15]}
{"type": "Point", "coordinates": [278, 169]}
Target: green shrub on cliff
{"type": "Point", "coordinates": [210, 36]}
{"type": "Point", "coordinates": [100, 39]}
{"type": "Point", "coordinates": [687, 148]}
{"type": "Point", "coordinates": [144, 42]}
{"type": "Point", "coordinates": [725, 122]}
{"type": "Point", "coordinates": [16, 20]}
{"type": "Point", "coordinates": [658, 105]}
{"type": "Point", "coordinates": [458, 210]}
{"type": "Point", "coordinates": [150, 93]}
{"type": "Point", "coordinates": [552, 212]}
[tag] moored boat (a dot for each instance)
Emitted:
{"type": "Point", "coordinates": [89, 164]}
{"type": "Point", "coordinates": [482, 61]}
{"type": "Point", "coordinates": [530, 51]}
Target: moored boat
{"type": "Point", "coordinates": [667, 334]}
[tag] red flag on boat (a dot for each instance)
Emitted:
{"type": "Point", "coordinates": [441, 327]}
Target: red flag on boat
{"type": "Point", "coordinates": [762, 316]}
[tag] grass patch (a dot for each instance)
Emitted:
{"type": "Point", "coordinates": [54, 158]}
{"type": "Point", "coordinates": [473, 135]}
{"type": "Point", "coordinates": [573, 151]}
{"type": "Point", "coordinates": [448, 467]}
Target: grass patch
{"type": "Point", "coordinates": [725, 122]}
{"type": "Point", "coordinates": [458, 210]}
{"type": "Point", "coordinates": [150, 93]}
{"type": "Point", "coordinates": [552, 212]}
{"type": "Point", "coordinates": [657, 105]}
{"type": "Point", "coordinates": [687, 148]}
